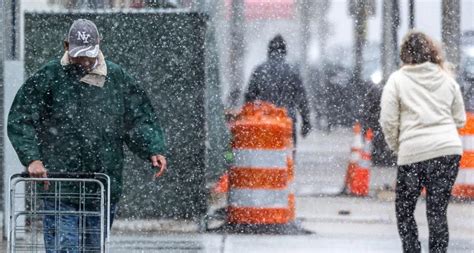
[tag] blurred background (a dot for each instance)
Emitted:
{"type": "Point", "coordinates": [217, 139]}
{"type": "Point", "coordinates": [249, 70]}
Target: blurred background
{"type": "Point", "coordinates": [344, 50]}
{"type": "Point", "coordinates": [322, 35]}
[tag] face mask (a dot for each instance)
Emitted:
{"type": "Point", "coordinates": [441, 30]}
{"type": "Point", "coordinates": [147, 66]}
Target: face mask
{"type": "Point", "coordinates": [77, 69]}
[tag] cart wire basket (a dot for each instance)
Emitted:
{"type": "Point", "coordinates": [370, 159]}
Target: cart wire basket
{"type": "Point", "coordinates": [54, 214]}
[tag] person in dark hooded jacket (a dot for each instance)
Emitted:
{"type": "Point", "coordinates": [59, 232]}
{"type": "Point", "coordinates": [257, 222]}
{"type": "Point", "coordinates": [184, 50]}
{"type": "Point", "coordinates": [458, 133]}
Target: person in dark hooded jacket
{"type": "Point", "coordinates": [279, 83]}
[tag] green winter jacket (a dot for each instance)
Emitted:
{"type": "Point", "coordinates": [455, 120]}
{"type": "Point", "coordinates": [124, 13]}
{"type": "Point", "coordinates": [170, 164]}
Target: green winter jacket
{"type": "Point", "coordinates": [76, 127]}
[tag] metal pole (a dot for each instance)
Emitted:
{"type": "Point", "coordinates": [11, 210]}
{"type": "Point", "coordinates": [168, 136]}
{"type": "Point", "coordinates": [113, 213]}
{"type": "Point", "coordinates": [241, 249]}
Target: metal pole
{"type": "Point", "coordinates": [390, 25]}
{"type": "Point", "coordinates": [2, 59]}
{"type": "Point", "coordinates": [451, 31]}
{"type": "Point", "coordinates": [237, 46]}
{"type": "Point", "coordinates": [360, 10]}
{"type": "Point", "coordinates": [411, 11]}
{"type": "Point", "coordinates": [12, 28]}
{"type": "Point", "coordinates": [305, 11]}
{"type": "Point", "coordinates": [322, 23]}
{"type": "Point", "coordinates": [305, 23]}
{"type": "Point", "coordinates": [360, 31]}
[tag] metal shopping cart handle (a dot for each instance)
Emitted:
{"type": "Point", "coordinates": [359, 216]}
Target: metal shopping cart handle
{"type": "Point", "coordinates": [66, 174]}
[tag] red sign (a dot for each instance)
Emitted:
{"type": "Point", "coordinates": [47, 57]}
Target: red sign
{"type": "Point", "coordinates": [266, 9]}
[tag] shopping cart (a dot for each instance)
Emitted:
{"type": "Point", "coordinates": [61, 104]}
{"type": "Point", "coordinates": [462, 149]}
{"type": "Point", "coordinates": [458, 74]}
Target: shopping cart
{"type": "Point", "coordinates": [33, 200]}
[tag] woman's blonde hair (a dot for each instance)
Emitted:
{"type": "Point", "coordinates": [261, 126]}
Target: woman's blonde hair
{"type": "Point", "coordinates": [418, 48]}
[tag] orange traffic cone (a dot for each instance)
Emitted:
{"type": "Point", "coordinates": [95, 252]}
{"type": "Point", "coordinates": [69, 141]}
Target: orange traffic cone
{"type": "Point", "coordinates": [359, 178]}
{"type": "Point", "coordinates": [222, 186]}
{"type": "Point", "coordinates": [356, 148]}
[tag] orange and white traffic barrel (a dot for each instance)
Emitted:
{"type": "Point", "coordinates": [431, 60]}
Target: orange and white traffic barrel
{"type": "Point", "coordinates": [464, 185]}
{"type": "Point", "coordinates": [291, 173]}
{"type": "Point", "coordinates": [259, 177]}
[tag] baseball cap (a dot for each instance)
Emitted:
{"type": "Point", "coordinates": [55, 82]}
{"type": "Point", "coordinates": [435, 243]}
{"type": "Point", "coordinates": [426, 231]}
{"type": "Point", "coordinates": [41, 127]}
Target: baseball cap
{"type": "Point", "coordinates": [83, 39]}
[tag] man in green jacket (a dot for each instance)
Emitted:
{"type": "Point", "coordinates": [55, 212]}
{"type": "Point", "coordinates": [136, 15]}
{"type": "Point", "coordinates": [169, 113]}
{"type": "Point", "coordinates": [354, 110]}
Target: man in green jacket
{"type": "Point", "coordinates": [74, 115]}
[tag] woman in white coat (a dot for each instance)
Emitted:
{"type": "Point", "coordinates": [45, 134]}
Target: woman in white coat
{"type": "Point", "coordinates": [421, 110]}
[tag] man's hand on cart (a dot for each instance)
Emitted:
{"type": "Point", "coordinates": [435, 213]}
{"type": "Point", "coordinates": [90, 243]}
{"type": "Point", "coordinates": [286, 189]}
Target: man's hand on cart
{"type": "Point", "coordinates": [37, 169]}
{"type": "Point", "coordinates": [159, 162]}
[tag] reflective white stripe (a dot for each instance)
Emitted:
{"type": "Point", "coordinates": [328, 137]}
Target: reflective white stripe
{"type": "Point", "coordinates": [468, 142]}
{"type": "Point", "coordinates": [368, 147]}
{"type": "Point", "coordinates": [289, 152]}
{"type": "Point", "coordinates": [365, 164]}
{"type": "Point", "coordinates": [256, 158]}
{"type": "Point", "coordinates": [292, 186]}
{"type": "Point", "coordinates": [355, 156]}
{"type": "Point", "coordinates": [465, 176]}
{"type": "Point", "coordinates": [258, 198]}
{"type": "Point", "coordinates": [357, 142]}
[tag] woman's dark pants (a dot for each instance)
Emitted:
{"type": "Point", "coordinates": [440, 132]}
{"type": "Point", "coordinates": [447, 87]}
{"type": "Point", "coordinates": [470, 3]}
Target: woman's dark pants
{"type": "Point", "coordinates": [437, 176]}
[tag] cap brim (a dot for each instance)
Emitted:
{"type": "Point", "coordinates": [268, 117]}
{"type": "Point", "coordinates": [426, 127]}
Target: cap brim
{"type": "Point", "coordinates": [84, 51]}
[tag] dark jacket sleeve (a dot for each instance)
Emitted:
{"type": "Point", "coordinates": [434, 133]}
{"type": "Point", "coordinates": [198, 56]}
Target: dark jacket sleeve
{"type": "Point", "coordinates": [253, 91]}
{"type": "Point", "coordinates": [371, 107]}
{"type": "Point", "coordinates": [301, 99]}
{"type": "Point", "coordinates": [144, 135]}
{"type": "Point", "coordinates": [24, 117]}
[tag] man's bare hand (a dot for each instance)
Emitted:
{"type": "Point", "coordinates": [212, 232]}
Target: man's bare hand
{"type": "Point", "coordinates": [159, 162]}
{"type": "Point", "coordinates": [37, 169]}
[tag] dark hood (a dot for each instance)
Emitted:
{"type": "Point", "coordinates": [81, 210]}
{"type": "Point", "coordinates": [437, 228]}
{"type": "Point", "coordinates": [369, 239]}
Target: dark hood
{"type": "Point", "coordinates": [277, 47]}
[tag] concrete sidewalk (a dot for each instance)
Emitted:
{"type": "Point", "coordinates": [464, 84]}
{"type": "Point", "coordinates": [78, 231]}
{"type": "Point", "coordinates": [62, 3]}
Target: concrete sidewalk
{"type": "Point", "coordinates": [369, 224]}
{"type": "Point", "coordinates": [339, 223]}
